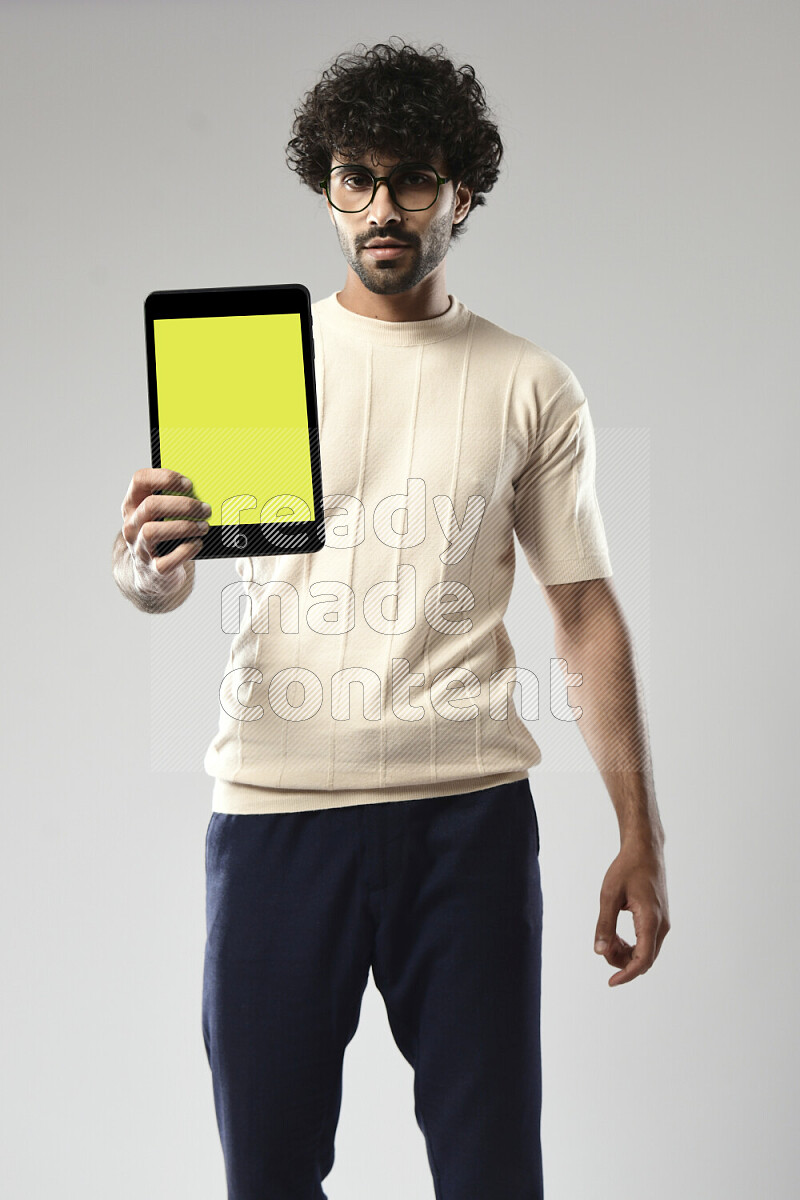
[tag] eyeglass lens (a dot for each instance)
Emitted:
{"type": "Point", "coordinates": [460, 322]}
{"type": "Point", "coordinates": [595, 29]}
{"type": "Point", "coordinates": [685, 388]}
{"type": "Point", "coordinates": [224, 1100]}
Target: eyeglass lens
{"type": "Point", "coordinates": [415, 186]}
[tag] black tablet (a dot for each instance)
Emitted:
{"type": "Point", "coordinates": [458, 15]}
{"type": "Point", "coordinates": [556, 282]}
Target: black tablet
{"type": "Point", "coordinates": [233, 406]}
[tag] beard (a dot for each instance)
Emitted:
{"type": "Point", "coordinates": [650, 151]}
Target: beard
{"type": "Point", "coordinates": [391, 276]}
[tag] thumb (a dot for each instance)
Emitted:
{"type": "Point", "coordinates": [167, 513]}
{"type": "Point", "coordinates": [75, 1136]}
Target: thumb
{"type": "Point", "coordinates": [606, 929]}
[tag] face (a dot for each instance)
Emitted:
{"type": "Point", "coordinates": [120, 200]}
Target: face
{"type": "Point", "coordinates": [425, 235]}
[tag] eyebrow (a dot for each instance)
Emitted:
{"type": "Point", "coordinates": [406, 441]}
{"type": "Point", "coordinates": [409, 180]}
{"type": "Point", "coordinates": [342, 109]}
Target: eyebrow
{"type": "Point", "coordinates": [355, 163]}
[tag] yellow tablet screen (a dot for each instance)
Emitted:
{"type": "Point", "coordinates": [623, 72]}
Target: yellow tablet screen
{"type": "Point", "coordinates": [232, 414]}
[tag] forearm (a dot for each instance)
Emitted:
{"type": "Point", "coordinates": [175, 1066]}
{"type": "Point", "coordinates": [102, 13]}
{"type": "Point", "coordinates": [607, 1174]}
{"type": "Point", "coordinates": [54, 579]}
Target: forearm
{"type": "Point", "coordinates": [122, 570]}
{"type": "Point", "coordinates": [597, 646]}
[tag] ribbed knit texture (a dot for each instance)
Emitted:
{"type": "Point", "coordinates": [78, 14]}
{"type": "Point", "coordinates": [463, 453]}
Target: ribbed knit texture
{"type": "Point", "coordinates": [377, 669]}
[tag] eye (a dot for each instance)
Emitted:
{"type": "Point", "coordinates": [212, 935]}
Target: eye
{"type": "Point", "coordinates": [358, 180]}
{"type": "Point", "coordinates": [417, 178]}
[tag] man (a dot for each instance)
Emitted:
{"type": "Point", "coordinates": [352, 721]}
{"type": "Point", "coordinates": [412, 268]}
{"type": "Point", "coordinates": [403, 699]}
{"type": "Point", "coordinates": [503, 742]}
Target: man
{"type": "Point", "coordinates": [396, 831]}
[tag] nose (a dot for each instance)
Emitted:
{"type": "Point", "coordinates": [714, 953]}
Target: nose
{"type": "Point", "coordinates": [383, 207]}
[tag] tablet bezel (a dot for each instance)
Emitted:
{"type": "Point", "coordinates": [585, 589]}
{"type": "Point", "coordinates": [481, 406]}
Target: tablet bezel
{"type": "Point", "coordinates": [253, 539]}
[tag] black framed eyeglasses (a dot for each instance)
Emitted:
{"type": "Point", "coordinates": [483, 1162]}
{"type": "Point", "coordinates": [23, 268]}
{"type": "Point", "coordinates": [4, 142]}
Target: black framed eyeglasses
{"type": "Point", "coordinates": [413, 186]}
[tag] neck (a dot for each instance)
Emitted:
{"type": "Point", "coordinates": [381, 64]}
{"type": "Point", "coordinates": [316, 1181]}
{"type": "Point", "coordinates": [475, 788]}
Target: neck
{"type": "Point", "coordinates": [428, 299]}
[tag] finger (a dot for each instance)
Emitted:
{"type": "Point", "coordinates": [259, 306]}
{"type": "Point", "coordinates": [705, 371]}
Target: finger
{"type": "Point", "coordinates": [642, 957]}
{"type": "Point", "coordinates": [165, 562]}
{"type": "Point", "coordinates": [149, 479]}
{"type": "Point", "coordinates": [663, 930]}
{"type": "Point", "coordinates": [605, 934]}
{"type": "Point", "coordinates": [165, 574]}
{"type": "Point", "coordinates": [156, 507]}
{"type": "Point", "coordinates": [619, 953]}
{"type": "Point", "coordinates": [635, 967]}
{"type": "Point", "coordinates": [153, 532]}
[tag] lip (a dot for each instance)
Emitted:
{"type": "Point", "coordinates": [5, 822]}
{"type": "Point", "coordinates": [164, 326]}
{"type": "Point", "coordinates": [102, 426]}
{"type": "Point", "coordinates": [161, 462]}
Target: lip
{"type": "Point", "coordinates": [379, 251]}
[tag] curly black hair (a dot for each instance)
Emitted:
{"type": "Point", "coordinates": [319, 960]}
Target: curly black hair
{"type": "Point", "coordinates": [398, 102]}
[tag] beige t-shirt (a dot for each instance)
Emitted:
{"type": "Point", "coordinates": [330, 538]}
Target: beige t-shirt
{"type": "Point", "coordinates": [379, 668]}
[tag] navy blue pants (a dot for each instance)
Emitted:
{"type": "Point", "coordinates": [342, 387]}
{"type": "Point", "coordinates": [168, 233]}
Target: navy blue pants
{"type": "Point", "coordinates": [441, 897]}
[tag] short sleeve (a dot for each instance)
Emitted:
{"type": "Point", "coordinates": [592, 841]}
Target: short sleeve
{"type": "Point", "coordinates": [556, 515]}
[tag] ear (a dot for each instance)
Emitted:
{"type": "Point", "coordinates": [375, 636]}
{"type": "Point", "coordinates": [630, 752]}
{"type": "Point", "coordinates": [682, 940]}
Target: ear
{"type": "Point", "coordinates": [463, 196]}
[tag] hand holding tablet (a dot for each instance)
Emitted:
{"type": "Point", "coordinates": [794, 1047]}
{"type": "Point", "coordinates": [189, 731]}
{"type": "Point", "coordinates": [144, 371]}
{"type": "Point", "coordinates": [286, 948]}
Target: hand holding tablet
{"type": "Point", "coordinates": [146, 503]}
{"type": "Point", "coordinates": [233, 406]}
